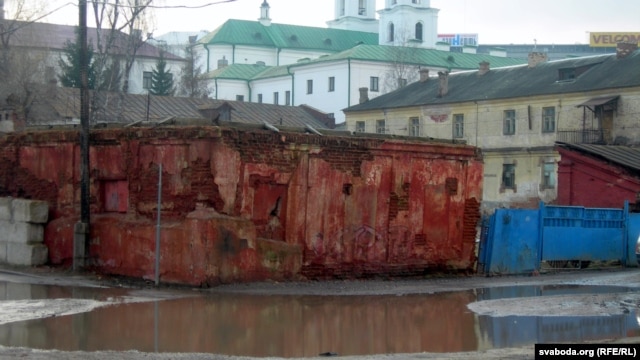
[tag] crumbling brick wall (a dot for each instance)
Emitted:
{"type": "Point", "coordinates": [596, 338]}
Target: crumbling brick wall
{"type": "Point", "coordinates": [339, 206]}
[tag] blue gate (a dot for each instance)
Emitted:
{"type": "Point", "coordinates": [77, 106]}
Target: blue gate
{"type": "Point", "coordinates": [518, 240]}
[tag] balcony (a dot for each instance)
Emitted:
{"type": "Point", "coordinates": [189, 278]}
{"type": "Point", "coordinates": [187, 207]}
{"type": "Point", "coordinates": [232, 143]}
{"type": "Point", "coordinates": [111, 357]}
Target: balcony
{"type": "Point", "coordinates": [599, 136]}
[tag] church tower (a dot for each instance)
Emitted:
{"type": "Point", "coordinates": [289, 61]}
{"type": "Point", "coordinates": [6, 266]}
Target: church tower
{"type": "Point", "coordinates": [408, 23]}
{"type": "Point", "coordinates": [356, 15]}
{"type": "Point", "coordinates": [264, 14]}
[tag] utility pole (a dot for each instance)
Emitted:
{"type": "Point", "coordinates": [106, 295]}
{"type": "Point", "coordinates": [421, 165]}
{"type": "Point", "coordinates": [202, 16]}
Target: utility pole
{"type": "Point", "coordinates": [81, 230]}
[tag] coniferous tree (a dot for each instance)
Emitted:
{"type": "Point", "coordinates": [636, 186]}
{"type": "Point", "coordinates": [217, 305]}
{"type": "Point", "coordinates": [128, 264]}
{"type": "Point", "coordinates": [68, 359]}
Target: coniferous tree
{"type": "Point", "coordinates": [70, 65]}
{"type": "Point", "coordinates": [162, 79]}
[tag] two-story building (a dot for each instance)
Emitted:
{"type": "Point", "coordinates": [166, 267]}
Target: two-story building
{"type": "Point", "coordinates": [516, 114]}
{"type": "Point", "coordinates": [48, 41]}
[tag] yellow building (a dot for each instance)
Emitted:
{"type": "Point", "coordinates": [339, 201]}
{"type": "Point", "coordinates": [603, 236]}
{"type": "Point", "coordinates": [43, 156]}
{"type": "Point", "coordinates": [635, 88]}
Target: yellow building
{"type": "Point", "coordinates": [516, 115]}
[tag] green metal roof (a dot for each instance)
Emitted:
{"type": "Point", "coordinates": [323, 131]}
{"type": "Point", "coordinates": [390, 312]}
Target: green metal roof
{"type": "Point", "coordinates": [244, 32]}
{"type": "Point", "coordinates": [374, 53]}
{"type": "Point", "coordinates": [237, 72]}
{"type": "Point", "coordinates": [418, 56]}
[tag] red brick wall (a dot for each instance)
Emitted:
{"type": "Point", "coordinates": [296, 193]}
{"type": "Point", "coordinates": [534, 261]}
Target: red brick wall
{"type": "Point", "coordinates": [338, 206]}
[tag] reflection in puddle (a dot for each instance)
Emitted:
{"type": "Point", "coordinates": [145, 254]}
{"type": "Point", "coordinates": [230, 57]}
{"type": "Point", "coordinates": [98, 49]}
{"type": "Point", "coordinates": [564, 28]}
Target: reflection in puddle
{"type": "Point", "coordinates": [299, 326]}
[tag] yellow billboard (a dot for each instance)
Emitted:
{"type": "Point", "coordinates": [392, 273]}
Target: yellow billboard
{"type": "Point", "coordinates": [611, 39]}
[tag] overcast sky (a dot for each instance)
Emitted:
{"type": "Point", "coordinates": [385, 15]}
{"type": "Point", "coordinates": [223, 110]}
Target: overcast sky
{"type": "Point", "coordinates": [495, 21]}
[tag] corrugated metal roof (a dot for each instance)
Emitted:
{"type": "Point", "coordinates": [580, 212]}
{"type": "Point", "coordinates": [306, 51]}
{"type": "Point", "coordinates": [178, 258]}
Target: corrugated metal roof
{"type": "Point", "coordinates": [66, 104]}
{"type": "Point", "coordinates": [418, 56]}
{"type": "Point", "coordinates": [625, 156]}
{"type": "Point", "coordinates": [244, 32]}
{"type": "Point", "coordinates": [237, 72]}
{"type": "Point", "coordinates": [600, 72]}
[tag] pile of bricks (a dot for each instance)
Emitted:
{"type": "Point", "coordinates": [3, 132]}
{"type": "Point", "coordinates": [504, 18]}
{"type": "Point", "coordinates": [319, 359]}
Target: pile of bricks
{"type": "Point", "coordinates": [22, 231]}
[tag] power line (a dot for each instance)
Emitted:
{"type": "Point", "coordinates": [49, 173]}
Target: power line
{"type": "Point", "coordinates": [151, 6]}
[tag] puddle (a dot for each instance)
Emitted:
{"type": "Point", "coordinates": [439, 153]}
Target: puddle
{"type": "Point", "coordinates": [304, 326]}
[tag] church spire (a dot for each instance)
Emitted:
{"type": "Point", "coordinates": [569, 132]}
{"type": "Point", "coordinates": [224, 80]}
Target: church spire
{"type": "Point", "coordinates": [264, 14]}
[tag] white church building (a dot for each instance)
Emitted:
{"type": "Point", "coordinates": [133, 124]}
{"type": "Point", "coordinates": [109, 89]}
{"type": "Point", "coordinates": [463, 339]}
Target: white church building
{"type": "Point", "coordinates": [362, 53]}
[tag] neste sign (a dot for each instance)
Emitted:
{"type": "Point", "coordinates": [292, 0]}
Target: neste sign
{"type": "Point", "coordinates": [611, 39]}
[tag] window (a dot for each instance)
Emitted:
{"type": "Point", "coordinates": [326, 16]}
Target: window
{"type": "Point", "coordinates": [548, 175]}
{"type": "Point", "coordinates": [287, 97]}
{"type": "Point", "coordinates": [508, 176]}
{"type": "Point", "coordinates": [419, 31]}
{"type": "Point", "coordinates": [309, 86]}
{"type": "Point", "coordinates": [391, 30]}
{"type": "Point", "coordinates": [146, 79]}
{"type": "Point", "coordinates": [548, 119]}
{"type": "Point", "coordinates": [458, 126]}
{"type": "Point", "coordinates": [566, 74]}
{"type": "Point", "coordinates": [362, 10]}
{"type": "Point", "coordinates": [380, 126]}
{"type": "Point", "coordinates": [259, 98]}
{"type": "Point", "coordinates": [360, 126]}
{"type": "Point", "coordinates": [402, 83]}
{"type": "Point", "coordinates": [332, 83]}
{"type": "Point", "coordinates": [373, 84]}
{"type": "Point", "coordinates": [414, 126]}
{"type": "Point", "coordinates": [342, 7]}
{"type": "Point", "coordinates": [509, 125]}
{"type": "Point", "coordinates": [275, 97]}
{"type": "Point", "coordinates": [239, 97]}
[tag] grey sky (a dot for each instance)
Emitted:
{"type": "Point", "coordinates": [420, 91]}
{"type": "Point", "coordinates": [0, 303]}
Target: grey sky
{"type": "Point", "coordinates": [495, 21]}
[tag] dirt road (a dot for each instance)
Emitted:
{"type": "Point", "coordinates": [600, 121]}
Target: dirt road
{"type": "Point", "coordinates": [578, 305]}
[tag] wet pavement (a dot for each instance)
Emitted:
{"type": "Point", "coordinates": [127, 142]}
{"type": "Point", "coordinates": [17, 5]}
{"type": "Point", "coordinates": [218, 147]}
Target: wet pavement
{"type": "Point", "coordinates": [187, 321]}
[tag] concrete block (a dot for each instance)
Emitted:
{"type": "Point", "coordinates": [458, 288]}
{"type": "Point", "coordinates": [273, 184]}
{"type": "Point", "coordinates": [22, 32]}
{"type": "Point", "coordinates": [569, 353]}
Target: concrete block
{"type": "Point", "coordinates": [21, 232]}
{"type": "Point", "coordinates": [27, 254]}
{"type": "Point", "coordinates": [5, 208]}
{"type": "Point", "coordinates": [31, 211]}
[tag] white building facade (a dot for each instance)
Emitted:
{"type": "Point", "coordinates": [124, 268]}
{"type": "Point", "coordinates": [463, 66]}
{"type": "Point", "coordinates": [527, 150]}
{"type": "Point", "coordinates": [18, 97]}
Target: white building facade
{"type": "Point", "coordinates": [326, 68]}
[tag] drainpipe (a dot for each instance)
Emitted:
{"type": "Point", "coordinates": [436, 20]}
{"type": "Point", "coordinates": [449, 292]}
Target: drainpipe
{"type": "Point", "coordinates": [250, 90]}
{"type": "Point", "coordinates": [233, 54]}
{"type": "Point", "coordinates": [477, 122]}
{"type": "Point", "coordinates": [206, 47]}
{"type": "Point", "coordinates": [278, 57]}
{"type": "Point", "coordinates": [216, 82]}
{"type": "Point", "coordinates": [293, 86]}
{"type": "Point", "coordinates": [349, 82]}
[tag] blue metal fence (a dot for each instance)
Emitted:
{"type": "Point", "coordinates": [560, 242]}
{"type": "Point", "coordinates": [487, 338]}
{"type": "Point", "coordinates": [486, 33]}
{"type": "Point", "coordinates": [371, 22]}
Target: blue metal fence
{"type": "Point", "coordinates": [518, 240]}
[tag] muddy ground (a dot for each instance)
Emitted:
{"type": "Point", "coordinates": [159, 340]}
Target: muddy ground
{"type": "Point", "coordinates": [574, 305]}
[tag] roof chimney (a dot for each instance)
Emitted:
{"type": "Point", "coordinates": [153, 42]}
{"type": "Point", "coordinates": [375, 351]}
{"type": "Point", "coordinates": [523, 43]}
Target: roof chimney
{"type": "Point", "coordinates": [443, 87]}
{"type": "Point", "coordinates": [364, 94]}
{"type": "Point", "coordinates": [536, 58]}
{"type": "Point", "coordinates": [424, 75]}
{"type": "Point", "coordinates": [623, 49]}
{"type": "Point", "coordinates": [483, 68]}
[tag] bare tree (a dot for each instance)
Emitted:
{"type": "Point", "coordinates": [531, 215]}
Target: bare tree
{"type": "Point", "coordinates": [404, 68]}
{"type": "Point", "coordinates": [120, 25]}
{"type": "Point", "coordinates": [21, 72]}
{"type": "Point", "coordinates": [192, 82]}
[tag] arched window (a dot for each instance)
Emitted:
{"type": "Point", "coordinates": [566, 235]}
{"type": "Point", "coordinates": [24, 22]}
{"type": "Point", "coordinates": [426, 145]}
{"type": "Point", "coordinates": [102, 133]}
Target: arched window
{"type": "Point", "coordinates": [391, 35]}
{"type": "Point", "coordinates": [419, 31]}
